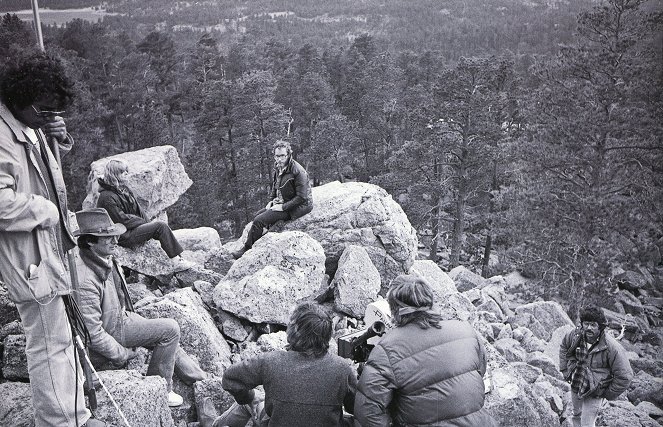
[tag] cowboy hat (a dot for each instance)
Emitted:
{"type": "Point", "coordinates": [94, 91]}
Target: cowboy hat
{"type": "Point", "coordinates": [96, 222]}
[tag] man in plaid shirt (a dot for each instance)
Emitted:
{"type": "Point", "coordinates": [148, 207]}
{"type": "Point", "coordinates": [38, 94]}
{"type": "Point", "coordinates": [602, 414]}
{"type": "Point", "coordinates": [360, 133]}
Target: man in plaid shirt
{"type": "Point", "coordinates": [595, 364]}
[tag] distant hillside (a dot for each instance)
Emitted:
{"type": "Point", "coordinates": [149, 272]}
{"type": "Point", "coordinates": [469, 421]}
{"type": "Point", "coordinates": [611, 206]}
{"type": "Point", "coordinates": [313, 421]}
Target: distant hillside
{"type": "Point", "coordinates": [457, 27]}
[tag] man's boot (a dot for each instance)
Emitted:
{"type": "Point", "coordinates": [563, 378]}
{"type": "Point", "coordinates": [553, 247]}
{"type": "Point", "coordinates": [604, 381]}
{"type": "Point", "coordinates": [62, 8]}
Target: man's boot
{"type": "Point", "coordinates": [94, 423]}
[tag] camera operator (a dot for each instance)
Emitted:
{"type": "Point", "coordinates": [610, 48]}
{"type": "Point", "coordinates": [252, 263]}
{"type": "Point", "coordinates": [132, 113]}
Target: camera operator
{"type": "Point", "coordinates": [304, 386]}
{"type": "Point", "coordinates": [425, 371]}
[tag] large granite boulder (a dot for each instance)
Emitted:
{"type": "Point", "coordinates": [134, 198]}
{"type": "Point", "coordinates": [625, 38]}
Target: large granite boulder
{"type": "Point", "coordinates": [451, 303]}
{"type": "Point", "coordinates": [356, 213]}
{"type": "Point", "coordinates": [156, 177]}
{"type": "Point", "coordinates": [466, 279]}
{"type": "Point", "coordinates": [356, 282]}
{"type": "Point", "coordinates": [16, 405]}
{"type": "Point", "coordinates": [148, 259]}
{"type": "Point", "coordinates": [555, 342]}
{"type": "Point", "coordinates": [438, 280]}
{"type": "Point", "coordinates": [646, 388]}
{"type": "Point", "coordinates": [541, 317]}
{"type": "Point", "coordinates": [8, 312]}
{"type": "Point", "coordinates": [265, 284]}
{"type": "Point", "coordinates": [199, 336]}
{"type": "Point", "coordinates": [143, 400]}
{"type": "Point", "coordinates": [619, 413]}
{"type": "Point", "coordinates": [511, 400]}
{"type": "Point", "coordinates": [14, 360]}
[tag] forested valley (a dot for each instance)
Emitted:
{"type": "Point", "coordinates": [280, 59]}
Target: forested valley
{"type": "Point", "coordinates": [515, 134]}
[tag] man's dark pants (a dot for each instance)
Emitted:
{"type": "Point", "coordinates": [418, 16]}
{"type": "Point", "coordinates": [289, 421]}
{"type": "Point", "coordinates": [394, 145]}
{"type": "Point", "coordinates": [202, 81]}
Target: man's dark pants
{"type": "Point", "coordinates": [264, 219]}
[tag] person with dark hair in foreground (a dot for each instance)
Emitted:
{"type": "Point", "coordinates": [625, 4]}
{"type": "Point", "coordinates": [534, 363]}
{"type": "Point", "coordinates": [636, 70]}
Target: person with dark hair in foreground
{"type": "Point", "coordinates": [304, 386]}
{"type": "Point", "coordinates": [595, 364]}
{"type": "Point", "coordinates": [291, 196]}
{"type": "Point", "coordinates": [34, 234]}
{"type": "Point", "coordinates": [424, 372]}
{"type": "Point", "coordinates": [103, 300]}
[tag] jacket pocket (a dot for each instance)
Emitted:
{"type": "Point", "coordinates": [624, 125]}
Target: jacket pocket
{"type": "Point", "coordinates": [39, 282]}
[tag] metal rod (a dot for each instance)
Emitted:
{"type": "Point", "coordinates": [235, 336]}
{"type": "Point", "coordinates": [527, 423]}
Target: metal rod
{"type": "Point", "coordinates": [37, 24]}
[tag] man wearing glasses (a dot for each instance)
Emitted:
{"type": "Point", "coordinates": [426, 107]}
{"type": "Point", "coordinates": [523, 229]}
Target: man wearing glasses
{"type": "Point", "coordinates": [595, 364]}
{"type": "Point", "coordinates": [34, 236]}
{"type": "Point", "coordinates": [291, 196]}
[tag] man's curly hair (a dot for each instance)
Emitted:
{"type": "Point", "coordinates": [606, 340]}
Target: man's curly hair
{"type": "Point", "coordinates": [35, 77]}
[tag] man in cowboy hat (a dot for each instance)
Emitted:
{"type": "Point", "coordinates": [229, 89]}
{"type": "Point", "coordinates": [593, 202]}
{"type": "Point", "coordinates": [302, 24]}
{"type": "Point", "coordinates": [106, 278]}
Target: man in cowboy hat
{"type": "Point", "coordinates": [115, 330]}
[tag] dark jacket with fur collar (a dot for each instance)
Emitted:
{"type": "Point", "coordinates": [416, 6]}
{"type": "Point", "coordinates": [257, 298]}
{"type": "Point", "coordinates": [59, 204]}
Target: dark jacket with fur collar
{"type": "Point", "coordinates": [295, 189]}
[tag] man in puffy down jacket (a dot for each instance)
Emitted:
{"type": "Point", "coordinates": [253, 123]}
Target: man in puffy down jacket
{"type": "Point", "coordinates": [595, 364]}
{"type": "Point", "coordinates": [425, 372]}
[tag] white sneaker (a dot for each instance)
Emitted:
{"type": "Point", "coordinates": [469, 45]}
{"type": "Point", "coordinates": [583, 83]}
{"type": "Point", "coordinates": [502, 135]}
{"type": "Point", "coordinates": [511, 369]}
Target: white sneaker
{"type": "Point", "coordinates": [174, 399]}
{"type": "Point", "coordinates": [182, 264]}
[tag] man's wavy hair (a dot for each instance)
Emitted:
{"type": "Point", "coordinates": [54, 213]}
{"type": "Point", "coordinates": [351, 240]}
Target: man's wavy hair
{"type": "Point", "coordinates": [283, 144]}
{"type": "Point", "coordinates": [310, 330]}
{"type": "Point", "coordinates": [408, 292]}
{"type": "Point", "coordinates": [35, 77]}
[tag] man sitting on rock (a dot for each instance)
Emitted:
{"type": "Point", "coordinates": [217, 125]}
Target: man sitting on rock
{"type": "Point", "coordinates": [595, 364]}
{"type": "Point", "coordinates": [304, 386]}
{"type": "Point", "coordinates": [291, 196]}
{"type": "Point", "coordinates": [103, 299]}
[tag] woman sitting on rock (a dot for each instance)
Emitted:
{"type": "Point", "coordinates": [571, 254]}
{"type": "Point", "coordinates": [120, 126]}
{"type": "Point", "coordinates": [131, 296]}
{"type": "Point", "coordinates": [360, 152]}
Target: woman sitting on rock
{"type": "Point", "coordinates": [123, 208]}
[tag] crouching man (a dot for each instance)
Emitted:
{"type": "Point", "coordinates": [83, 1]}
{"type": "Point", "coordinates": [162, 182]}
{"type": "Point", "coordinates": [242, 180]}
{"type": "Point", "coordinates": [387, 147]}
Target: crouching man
{"type": "Point", "coordinates": [103, 299]}
{"type": "Point", "coordinates": [304, 386]}
{"type": "Point", "coordinates": [595, 364]}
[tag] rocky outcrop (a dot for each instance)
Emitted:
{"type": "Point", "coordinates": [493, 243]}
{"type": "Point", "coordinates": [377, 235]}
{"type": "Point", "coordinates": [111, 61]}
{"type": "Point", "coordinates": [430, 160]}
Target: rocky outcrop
{"type": "Point", "coordinates": [199, 335]}
{"type": "Point", "coordinates": [355, 213]}
{"type": "Point", "coordinates": [511, 400]}
{"type": "Point", "coordinates": [356, 282]}
{"type": "Point", "coordinates": [466, 279]}
{"type": "Point", "coordinates": [542, 318]}
{"type": "Point", "coordinates": [451, 303]}
{"type": "Point", "coordinates": [645, 387]}
{"type": "Point", "coordinates": [14, 360]}
{"type": "Point", "coordinates": [438, 280]}
{"type": "Point", "coordinates": [156, 177]}
{"type": "Point", "coordinates": [8, 311]}
{"type": "Point", "coordinates": [270, 279]}
{"type": "Point", "coordinates": [16, 405]}
{"type": "Point", "coordinates": [143, 400]}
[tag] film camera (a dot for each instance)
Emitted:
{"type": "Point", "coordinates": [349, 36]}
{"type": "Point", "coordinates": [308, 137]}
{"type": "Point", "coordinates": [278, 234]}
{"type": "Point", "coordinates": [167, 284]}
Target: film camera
{"type": "Point", "coordinates": [358, 345]}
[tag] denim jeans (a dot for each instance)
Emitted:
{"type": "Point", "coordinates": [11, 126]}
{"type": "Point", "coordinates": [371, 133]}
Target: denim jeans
{"type": "Point", "coordinates": [585, 411]}
{"type": "Point", "coordinates": [162, 336]}
{"type": "Point", "coordinates": [51, 365]}
{"type": "Point", "coordinates": [157, 230]}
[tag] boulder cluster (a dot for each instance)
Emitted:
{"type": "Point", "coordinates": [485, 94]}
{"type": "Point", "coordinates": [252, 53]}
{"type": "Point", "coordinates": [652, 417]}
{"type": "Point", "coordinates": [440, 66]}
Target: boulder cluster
{"type": "Point", "coordinates": [344, 255]}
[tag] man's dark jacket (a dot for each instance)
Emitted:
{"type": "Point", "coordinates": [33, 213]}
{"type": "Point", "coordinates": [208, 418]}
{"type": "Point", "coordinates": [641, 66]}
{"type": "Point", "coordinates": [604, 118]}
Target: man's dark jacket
{"type": "Point", "coordinates": [295, 189]}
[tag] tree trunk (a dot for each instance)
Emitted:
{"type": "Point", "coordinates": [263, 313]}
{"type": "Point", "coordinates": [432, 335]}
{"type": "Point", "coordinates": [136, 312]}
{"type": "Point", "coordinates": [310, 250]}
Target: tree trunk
{"type": "Point", "coordinates": [491, 209]}
{"type": "Point", "coordinates": [459, 219]}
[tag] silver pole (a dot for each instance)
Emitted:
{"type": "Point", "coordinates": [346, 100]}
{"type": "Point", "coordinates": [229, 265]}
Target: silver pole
{"type": "Point", "coordinates": [37, 24]}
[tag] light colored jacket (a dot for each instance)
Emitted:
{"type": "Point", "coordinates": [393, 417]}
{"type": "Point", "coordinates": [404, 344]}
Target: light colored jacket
{"type": "Point", "coordinates": [418, 377]}
{"type": "Point", "coordinates": [24, 209]}
{"type": "Point", "coordinates": [103, 303]}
